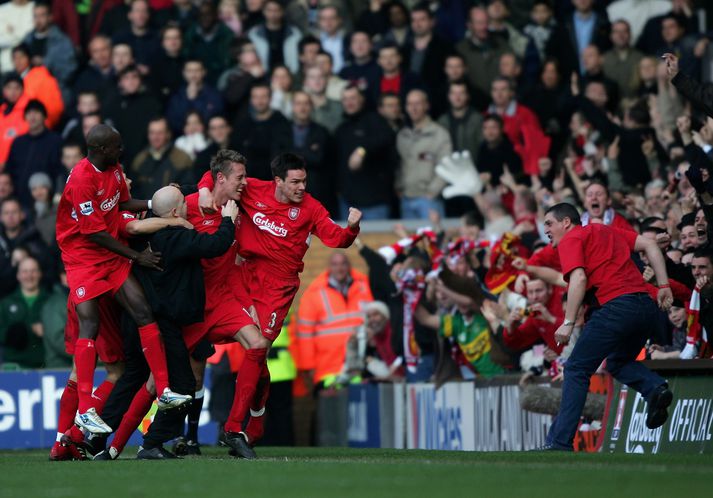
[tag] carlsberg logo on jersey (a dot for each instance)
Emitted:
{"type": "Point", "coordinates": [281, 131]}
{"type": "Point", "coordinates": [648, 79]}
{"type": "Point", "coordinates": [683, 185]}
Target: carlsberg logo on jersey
{"type": "Point", "coordinates": [110, 203]}
{"type": "Point", "coordinates": [263, 223]}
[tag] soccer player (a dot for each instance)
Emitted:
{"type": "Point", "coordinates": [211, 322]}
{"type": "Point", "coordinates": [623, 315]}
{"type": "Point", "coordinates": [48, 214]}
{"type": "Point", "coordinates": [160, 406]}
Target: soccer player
{"type": "Point", "coordinates": [69, 444]}
{"type": "Point", "coordinates": [596, 260]}
{"type": "Point", "coordinates": [177, 296]}
{"type": "Point", "coordinates": [278, 220]}
{"type": "Point", "coordinates": [97, 263]}
{"type": "Point", "coordinates": [227, 315]}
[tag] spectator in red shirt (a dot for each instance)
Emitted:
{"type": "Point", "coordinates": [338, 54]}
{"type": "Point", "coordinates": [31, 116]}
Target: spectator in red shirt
{"type": "Point", "coordinates": [598, 208]}
{"type": "Point", "coordinates": [596, 261]}
{"type": "Point", "coordinates": [538, 321]}
{"type": "Point", "coordinates": [521, 125]}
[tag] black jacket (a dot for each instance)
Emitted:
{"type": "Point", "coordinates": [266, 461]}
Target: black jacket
{"type": "Point", "coordinates": [260, 141]}
{"type": "Point", "coordinates": [632, 162]}
{"type": "Point", "coordinates": [318, 153]}
{"type": "Point", "coordinates": [373, 183]}
{"type": "Point", "coordinates": [562, 45]}
{"type": "Point", "coordinates": [700, 94]}
{"type": "Point", "coordinates": [131, 115]}
{"type": "Point", "coordinates": [178, 293]}
{"type": "Point", "coordinates": [434, 60]}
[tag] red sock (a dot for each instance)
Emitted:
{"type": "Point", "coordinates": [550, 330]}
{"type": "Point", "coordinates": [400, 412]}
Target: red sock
{"type": "Point", "coordinates": [155, 355]}
{"type": "Point", "coordinates": [85, 358]}
{"type": "Point", "coordinates": [137, 410]}
{"type": "Point", "coordinates": [256, 423]}
{"type": "Point", "coordinates": [245, 386]}
{"type": "Point", "coordinates": [101, 394]}
{"type": "Point", "coordinates": [68, 404]}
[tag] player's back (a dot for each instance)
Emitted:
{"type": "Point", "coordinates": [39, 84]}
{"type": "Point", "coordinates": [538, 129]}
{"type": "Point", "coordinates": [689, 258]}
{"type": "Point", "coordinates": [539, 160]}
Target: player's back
{"type": "Point", "coordinates": [215, 270]}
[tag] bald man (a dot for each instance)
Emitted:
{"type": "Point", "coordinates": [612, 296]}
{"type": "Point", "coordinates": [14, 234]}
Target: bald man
{"type": "Point", "coordinates": [176, 295]}
{"type": "Point", "coordinates": [98, 263]}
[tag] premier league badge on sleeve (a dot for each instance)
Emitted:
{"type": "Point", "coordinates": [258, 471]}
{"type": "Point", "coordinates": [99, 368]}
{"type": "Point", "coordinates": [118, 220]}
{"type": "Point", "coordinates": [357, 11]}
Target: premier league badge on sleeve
{"type": "Point", "coordinates": [293, 213]}
{"type": "Point", "coordinates": [86, 208]}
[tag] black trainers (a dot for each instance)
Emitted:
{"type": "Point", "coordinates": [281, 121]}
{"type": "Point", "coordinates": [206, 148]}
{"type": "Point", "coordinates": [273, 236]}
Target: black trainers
{"type": "Point", "coordinates": [239, 446]}
{"type": "Point", "coordinates": [107, 454]}
{"type": "Point", "coordinates": [186, 447]}
{"type": "Point", "coordinates": [658, 403]}
{"type": "Point", "coordinates": [158, 453]}
{"type": "Point", "coordinates": [193, 448]}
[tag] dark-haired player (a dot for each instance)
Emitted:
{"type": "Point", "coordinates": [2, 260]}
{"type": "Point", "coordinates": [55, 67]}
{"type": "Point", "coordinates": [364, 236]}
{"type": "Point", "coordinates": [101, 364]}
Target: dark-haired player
{"type": "Point", "coordinates": [278, 219]}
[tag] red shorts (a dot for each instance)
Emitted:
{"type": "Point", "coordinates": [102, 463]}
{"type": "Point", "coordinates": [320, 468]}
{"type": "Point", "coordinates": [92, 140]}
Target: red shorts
{"type": "Point", "coordinates": [88, 282]}
{"type": "Point", "coordinates": [224, 317]}
{"type": "Point", "coordinates": [271, 294]}
{"type": "Point", "coordinates": [108, 344]}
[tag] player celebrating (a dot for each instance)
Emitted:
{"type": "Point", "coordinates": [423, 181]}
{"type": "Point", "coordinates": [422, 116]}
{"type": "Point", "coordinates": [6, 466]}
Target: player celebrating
{"type": "Point", "coordinates": [273, 237]}
{"type": "Point", "coordinates": [98, 263]}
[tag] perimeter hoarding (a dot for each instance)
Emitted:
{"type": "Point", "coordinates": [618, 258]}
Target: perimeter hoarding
{"type": "Point", "coordinates": [689, 428]}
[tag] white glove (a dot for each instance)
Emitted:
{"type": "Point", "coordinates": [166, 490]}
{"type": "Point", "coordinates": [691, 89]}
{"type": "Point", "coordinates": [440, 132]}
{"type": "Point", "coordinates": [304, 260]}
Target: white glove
{"type": "Point", "coordinates": [689, 352]}
{"type": "Point", "coordinates": [462, 175]}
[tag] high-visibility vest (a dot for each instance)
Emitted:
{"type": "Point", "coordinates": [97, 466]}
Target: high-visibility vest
{"type": "Point", "coordinates": [279, 360]}
{"type": "Point", "coordinates": [325, 322]}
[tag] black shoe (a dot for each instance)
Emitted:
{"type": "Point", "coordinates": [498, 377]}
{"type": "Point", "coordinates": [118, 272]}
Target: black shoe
{"type": "Point", "coordinates": [193, 448]}
{"type": "Point", "coordinates": [104, 455]}
{"type": "Point", "coordinates": [221, 436]}
{"type": "Point", "coordinates": [658, 403]}
{"type": "Point", "coordinates": [179, 446]}
{"type": "Point", "coordinates": [158, 453]}
{"type": "Point", "coordinates": [95, 444]}
{"type": "Point", "coordinates": [239, 446]}
{"type": "Point", "coordinates": [186, 447]}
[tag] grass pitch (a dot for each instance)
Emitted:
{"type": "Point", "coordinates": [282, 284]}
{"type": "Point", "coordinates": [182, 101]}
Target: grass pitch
{"type": "Point", "coordinates": [342, 472]}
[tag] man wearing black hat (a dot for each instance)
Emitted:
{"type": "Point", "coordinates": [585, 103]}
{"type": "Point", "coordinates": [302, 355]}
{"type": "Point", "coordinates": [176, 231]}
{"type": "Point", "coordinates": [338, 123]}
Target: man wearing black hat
{"type": "Point", "coordinates": [38, 150]}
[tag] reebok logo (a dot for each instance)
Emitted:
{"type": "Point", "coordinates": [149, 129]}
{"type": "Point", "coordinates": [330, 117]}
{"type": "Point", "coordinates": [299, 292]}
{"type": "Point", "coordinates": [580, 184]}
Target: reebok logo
{"type": "Point", "coordinates": [263, 223]}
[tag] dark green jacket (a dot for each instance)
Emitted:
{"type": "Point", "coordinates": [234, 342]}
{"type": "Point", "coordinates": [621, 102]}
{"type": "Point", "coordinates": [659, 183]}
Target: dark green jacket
{"type": "Point", "coordinates": [19, 344]}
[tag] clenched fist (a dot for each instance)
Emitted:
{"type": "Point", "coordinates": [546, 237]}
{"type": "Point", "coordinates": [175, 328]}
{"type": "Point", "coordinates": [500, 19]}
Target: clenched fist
{"type": "Point", "coordinates": [354, 217]}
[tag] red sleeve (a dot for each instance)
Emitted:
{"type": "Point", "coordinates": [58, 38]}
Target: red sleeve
{"type": "Point", "coordinates": [88, 212]}
{"type": "Point", "coordinates": [547, 256]}
{"type": "Point", "coordinates": [523, 337]}
{"type": "Point", "coordinates": [124, 194]}
{"type": "Point", "coordinates": [329, 232]}
{"type": "Point", "coordinates": [206, 181]}
{"type": "Point", "coordinates": [571, 251]}
{"type": "Point", "coordinates": [124, 219]}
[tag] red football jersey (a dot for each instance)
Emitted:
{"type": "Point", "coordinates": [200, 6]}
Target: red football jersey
{"type": "Point", "coordinates": [605, 255]}
{"type": "Point", "coordinates": [89, 204]}
{"type": "Point", "coordinates": [215, 270]}
{"type": "Point", "coordinates": [278, 234]}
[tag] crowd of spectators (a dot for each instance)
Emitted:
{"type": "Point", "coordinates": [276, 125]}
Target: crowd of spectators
{"type": "Point", "coordinates": [488, 110]}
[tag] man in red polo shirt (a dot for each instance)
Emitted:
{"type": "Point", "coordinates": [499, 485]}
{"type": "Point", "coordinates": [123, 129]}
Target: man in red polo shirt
{"type": "Point", "coordinates": [538, 322]}
{"type": "Point", "coordinates": [596, 261]}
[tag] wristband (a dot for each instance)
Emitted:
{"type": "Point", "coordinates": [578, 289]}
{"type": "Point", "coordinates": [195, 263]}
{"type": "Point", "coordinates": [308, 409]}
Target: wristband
{"type": "Point", "coordinates": [665, 286]}
{"type": "Point", "coordinates": [149, 203]}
